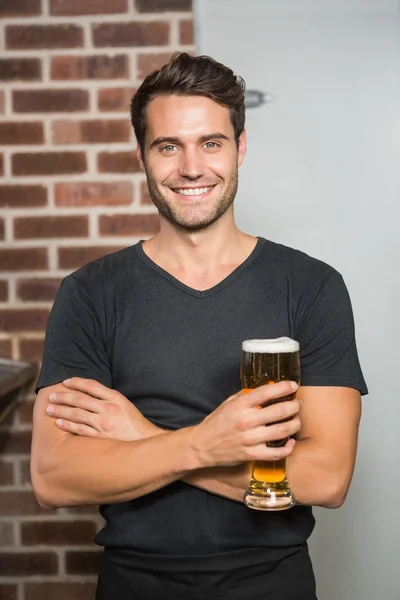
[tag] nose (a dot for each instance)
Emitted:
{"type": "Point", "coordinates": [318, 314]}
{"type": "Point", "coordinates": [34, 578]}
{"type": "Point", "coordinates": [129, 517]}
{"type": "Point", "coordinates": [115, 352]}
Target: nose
{"type": "Point", "coordinates": [192, 165]}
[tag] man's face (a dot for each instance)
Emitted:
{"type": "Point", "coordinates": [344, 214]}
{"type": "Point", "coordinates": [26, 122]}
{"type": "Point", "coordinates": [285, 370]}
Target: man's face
{"type": "Point", "coordinates": [191, 159]}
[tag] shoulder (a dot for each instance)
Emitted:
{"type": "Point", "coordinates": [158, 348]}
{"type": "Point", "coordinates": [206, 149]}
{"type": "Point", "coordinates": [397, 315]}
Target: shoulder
{"type": "Point", "coordinates": [296, 264]}
{"type": "Point", "coordinates": [106, 271]}
{"type": "Point", "coordinates": [98, 283]}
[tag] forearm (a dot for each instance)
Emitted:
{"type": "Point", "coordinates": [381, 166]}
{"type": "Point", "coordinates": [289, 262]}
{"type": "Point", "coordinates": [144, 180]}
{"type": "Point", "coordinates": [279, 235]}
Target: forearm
{"type": "Point", "coordinates": [316, 476]}
{"type": "Point", "coordinates": [80, 470]}
{"type": "Point", "coordinates": [229, 482]}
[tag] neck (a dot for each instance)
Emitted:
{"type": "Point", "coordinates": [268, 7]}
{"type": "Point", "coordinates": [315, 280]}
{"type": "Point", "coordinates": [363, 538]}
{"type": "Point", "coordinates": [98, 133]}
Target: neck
{"type": "Point", "coordinates": [199, 251]}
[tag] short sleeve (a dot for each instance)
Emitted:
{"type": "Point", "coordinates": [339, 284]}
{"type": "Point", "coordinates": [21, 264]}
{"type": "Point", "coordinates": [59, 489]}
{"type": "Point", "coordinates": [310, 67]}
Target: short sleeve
{"type": "Point", "coordinates": [326, 334]}
{"type": "Point", "coordinates": [75, 340]}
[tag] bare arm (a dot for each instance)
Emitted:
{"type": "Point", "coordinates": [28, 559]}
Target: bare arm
{"type": "Point", "coordinates": [322, 463]}
{"type": "Point", "coordinates": [74, 469]}
{"type": "Point", "coordinates": [68, 469]}
{"type": "Point", "coordinates": [319, 469]}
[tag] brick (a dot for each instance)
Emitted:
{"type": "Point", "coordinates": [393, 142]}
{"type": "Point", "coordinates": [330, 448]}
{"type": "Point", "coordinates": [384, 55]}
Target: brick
{"type": "Point", "coordinates": [145, 194]}
{"type": "Point", "coordinates": [42, 37]}
{"type": "Point", "coordinates": [50, 101]}
{"type": "Point", "coordinates": [82, 563]}
{"type": "Point", "coordinates": [91, 132]}
{"type": "Point", "coordinates": [3, 290]}
{"type": "Point", "coordinates": [21, 133]}
{"type": "Point", "coordinates": [28, 228]}
{"type": "Point", "coordinates": [13, 564]}
{"type": "Point", "coordinates": [14, 319]}
{"type": "Point", "coordinates": [25, 470]}
{"type": "Point", "coordinates": [25, 409]}
{"type": "Point", "coordinates": [5, 352]}
{"type": "Point", "coordinates": [2, 102]}
{"type": "Point", "coordinates": [118, 99]}
{"type": "Point", "coordinates": [48, 163]}
{"type": "Point", "coordinates": [22, 259]}
{"type": "Point", "coordinates": [61, 591]}
{"type": "Point", "coordinates": [20, 8]}
{"type": "Point", "coordinates": [153, 33]}
{"type": "Point", "coordinates": [22, 196]}
{"type": "Point", "coordinates": [8, 591]}
{"type": "Point", "coordinates": [37, 289]}
{"type": "Point", "coordinates": [7, 533]}
{"type": "Point", "coordinates": [58, 533]}
{"type": "Point", "coordinates": [73, 258]}
{"type": "Point", "coordinates": [20, 503]}
{"type": "Point", "coordinates": [117, 162]}
{"type": "Point", "coordinates": [20, 69]}
{"type": "Point", "coordinates": [151, 6]}
{"type": "Point", "coordinates": [6, 474]}
{"type": "Point", "coordinates": [115, 193]}
{"type": "Point", "coordinates": [146, 63]}
{"type": "Point", "coordinates": [88, 7]}
{"type": "Point", "coordinates": [128, 224]}
{"type": "Point", "coordinates": [8, 424]}
{"type": "Point", "coordinates": [69, 68]}
{"type": "Point", "coordinates": [16, 442]}
{"type": "Point", "coordinates": [186, 33]}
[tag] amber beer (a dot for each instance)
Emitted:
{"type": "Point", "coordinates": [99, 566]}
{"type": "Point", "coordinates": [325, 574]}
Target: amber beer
{"type": "Point", "coordinates": [264, 362]}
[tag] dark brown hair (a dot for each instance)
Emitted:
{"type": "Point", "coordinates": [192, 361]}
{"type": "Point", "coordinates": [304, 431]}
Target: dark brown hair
{"type": "Point", "coordinates": [186, 75]}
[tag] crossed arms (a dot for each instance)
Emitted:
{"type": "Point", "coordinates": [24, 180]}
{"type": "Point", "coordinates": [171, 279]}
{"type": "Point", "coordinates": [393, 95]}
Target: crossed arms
{"type": "Point", "coordinates": [106, 451]}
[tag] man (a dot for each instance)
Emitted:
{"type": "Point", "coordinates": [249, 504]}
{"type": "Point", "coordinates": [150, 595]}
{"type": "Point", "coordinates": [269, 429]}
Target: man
{"type": "Point", "coordinates": [141, 370]}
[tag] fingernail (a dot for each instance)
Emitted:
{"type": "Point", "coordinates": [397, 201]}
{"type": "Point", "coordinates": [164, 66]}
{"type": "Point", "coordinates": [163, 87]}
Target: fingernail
{"type": "Point", "coordinates": [301, 401]}
{"type": "Point", "coordinates": [67, 380]}
{"type": "Point", "coordinates": [294, 385]}
{"type": "Point", "coordinates": [52, 396]}
{"type": "Point", "coordinates": [50, 410]}
{"type": "Point", "coordinates": [59, 422]}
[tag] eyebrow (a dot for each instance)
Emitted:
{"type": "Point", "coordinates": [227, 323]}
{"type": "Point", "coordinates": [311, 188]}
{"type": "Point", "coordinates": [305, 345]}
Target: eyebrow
{"type": "Point", "coordinates": [175, 140]}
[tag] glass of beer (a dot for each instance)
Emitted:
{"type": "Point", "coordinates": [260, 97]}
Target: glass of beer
{"type": "Point", "coordinates": [264, 362]}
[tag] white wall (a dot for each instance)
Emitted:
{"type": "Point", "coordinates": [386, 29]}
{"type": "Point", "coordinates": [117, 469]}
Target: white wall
{"type": "Point", "coordinates": [322, 175]}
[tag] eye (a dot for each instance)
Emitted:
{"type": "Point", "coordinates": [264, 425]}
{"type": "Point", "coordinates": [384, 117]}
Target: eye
{"type": "Point", "coordinates": [169, 148]}
{"type": "Point", "coordinates": [211, 145]}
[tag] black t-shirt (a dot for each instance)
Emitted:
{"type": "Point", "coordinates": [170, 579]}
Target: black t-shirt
{"type": "Point", "coordinates": [175, 353]}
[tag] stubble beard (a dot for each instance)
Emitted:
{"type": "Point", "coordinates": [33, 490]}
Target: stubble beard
{"type": "Point", "coordinates": [199, 222]}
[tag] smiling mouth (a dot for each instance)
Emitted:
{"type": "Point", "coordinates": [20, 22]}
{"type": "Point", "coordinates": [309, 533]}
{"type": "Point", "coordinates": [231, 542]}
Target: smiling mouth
{"type": "Point", "coordinates": [198, 191]}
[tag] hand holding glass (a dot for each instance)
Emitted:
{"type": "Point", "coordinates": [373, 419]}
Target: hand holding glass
{"type": "Point", "coordinates": [264, 362]}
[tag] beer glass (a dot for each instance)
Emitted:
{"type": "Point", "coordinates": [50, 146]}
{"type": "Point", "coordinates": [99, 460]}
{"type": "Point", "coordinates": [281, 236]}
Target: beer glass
{"type": "Point", "coordinates": [264, 362]}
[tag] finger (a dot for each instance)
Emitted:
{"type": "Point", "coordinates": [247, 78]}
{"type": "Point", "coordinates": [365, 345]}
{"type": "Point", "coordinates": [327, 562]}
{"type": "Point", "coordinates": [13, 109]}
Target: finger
{"type": "Point", "coordinates": [234, 397]}
{"type": "Point", "coordinates": [76, 428]}
{"type": "Point", "coordinates": [267, 453]}
{"type": "Point", "coordinates": [89, 386]}
{"type": "Point", "coordinates": [277, 412]}
{"type": "Point", "coordinates": [272, 391]}
{"type": "Point", "coordinates": [76, 399]}
{"type": "Point", "coordinates": [272, 433]}
{"type": "Point", "coordinates": [75, 415]}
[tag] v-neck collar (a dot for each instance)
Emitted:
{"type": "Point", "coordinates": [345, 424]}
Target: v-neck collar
{"type": "Point", "coordinates": [201, 293]}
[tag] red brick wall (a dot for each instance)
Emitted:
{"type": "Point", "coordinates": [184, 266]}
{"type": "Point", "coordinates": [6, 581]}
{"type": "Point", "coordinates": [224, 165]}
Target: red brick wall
{"type": "Point", "coordinates": [70, 191]}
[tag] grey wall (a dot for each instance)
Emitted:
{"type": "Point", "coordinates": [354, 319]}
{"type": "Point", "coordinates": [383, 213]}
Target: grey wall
{"type": "Point", "coordinates": [322, 175]}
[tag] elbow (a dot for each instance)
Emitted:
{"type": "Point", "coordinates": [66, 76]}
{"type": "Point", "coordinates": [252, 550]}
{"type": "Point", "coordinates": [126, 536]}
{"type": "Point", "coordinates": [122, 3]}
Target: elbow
{"type": "Point", "coordinates": [42, 495]}
{"type": "Point", "coordinates": [336, 494]}
{"type": "Point", "coordinates": [43, 501]}
{"type": "Point", "coordinates": [42, 488]}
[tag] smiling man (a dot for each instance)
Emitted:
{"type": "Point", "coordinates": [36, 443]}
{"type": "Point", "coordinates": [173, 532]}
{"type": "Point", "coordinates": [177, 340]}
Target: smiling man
{"type": "Point", "coordinates": [139, 406]}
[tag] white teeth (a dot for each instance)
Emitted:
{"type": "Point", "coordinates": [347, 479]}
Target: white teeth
{"type": "Point", "coordinates": [193, 191]}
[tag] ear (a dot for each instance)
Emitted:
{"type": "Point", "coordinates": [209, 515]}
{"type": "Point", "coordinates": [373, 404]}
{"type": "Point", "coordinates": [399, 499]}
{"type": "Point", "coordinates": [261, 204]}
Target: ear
{"type": "Point", "coordinates": [139, 156]}
{"type": "Point", "coordinates": [242, 147]}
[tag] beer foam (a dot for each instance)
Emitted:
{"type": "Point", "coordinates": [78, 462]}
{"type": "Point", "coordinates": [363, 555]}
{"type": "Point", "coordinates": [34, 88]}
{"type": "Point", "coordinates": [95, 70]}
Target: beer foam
{"type": "Point", "coordinates": [282, 345]}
